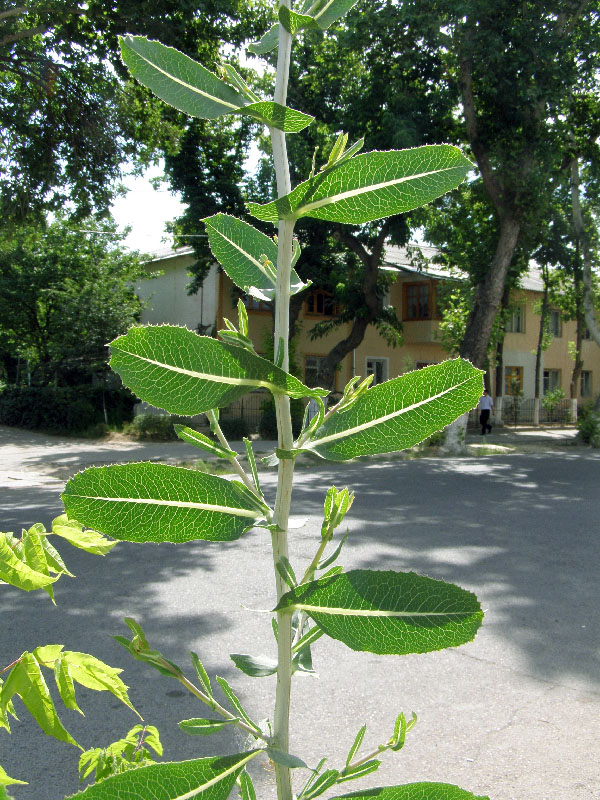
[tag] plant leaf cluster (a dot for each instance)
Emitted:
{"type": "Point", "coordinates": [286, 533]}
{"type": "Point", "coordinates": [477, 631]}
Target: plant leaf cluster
{"type": "Point", "coordinates": [181, 372]}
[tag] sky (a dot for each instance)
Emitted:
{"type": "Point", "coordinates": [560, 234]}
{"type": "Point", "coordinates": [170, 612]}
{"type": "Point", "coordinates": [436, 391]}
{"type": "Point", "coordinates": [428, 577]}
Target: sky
{"type": "Point", "coordinates": [146, 211]}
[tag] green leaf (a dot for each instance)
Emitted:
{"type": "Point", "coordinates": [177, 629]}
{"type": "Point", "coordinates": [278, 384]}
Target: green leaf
{"type": "Point", "coordinates": [267, 43]}
{"type": "Point", "coordinates": [88, 540]}
{"type": "Point", "coordinates": [26, 680]}
{"type": "Point", "coordinates": [285, 759]}
{"type": "Point", "coordinates": [325, 14]}
{"type": "Point", "coordinates": [204, 727]}
{"type": "Point", "coordinates": [139, 648]}
{"type": "Point", "coordinates": [179, 80]}
{"type": "Point", "coordinates": [329, 11]}
{"type": "Point", "coordinates": [399, 413]}
{"type": "Point", "coordinates": [159, 503]}
{"type": "Point", "coordinates": [241, 250]}
{"type": "Point", "coordinates": [254, 666]}
{"type": "Point", "coordinates": [252, 465]}
{"type": "Point", "coordinates": [203, 442]}
{"type": "Point", "coordinates": [232, 697]}
{"type": "Point", "coordinates": [202, 778]}
{"type": "Point", "coordinates": [285, 569]}
{"type": "Point", "coordinates": [325, 781]}
{"type": "Point", "coordinates": [308, 639]}
{"type": "Point", "coordinates": [35, 556]}
{"type": "Point", "coordinates": [16, 573]}
{"type": "Point", "coordinates": [54, 558]}
{"type": "Point", "coordinates": [277, 116]}
{"type": "Point", "coordinates": [5, 780]}
{"type": "Point", "coordinates": [183, 373]}
{"type": "Point", "coordinates": [294, 23]}
{"type": "Point", "coordinates": [353, 773]}
{"type": "Point", "coordinates": [372, 186]}
{"type": "Point", "coordinates": [414, 791]}
{"type": "Point", "coordinates": [202, 674]}
{"type": "Point", "coordinates": [189, 87]}
{"type": "Point", "coordinates": [356, 745]}
{"type": "Point", "coordinates": [392, 613]}
{"type": "Point", "coordinates": [94, 674]}
{"type": "Point", "coordinates": [64, 683]}
{"type": "Point", "coordinates": [247, 790]}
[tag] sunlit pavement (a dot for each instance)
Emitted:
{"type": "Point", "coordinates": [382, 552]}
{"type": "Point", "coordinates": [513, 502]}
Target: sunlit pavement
{"type": "Point", "coordinates": [513, 715]}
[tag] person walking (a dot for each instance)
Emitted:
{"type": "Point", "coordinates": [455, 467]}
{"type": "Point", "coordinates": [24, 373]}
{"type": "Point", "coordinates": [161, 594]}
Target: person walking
{"type": "Point", "coordinates": [486, 406]}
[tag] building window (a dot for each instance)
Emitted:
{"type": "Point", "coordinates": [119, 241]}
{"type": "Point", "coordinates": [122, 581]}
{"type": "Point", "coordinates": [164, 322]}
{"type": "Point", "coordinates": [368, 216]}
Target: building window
{"type": "Point", "coordinates": [554, 322]}
{"type": "Point", "coordinates": [320, 303]}
{"type": "Point", "coordinates": [513, 380]}
{"type": "Point", "coordinates": [586, 383]}
{"type": "Point", "coordinates": [516, 321]}
{"type": "Point", "coordinates": [313, 370]}
{"type": "Point", "coordinates": [587, 334]}
{"type": "Point", "coordinates": [551, 380]}
{"type": "Point", "coordinates": [422, 364]}
{"type": "Point", "coordinates": [379, 368]}
{"type": "Point", "coordinates": [418, 301]}
{"type": "Point", "coordinates": [253, 304]}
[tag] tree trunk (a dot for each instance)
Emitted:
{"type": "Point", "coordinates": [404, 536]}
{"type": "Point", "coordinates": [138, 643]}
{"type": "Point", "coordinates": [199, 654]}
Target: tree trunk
{"type": "Point", "coordinates": [489, 292]}
{"type": "Point", "coordinates": [580, 319]}
{"type": "Point", "coordinates": [592, 323]}
{"type": "Point", "coordinates": [540, 344]}
{"type": "Point", "coordinates": [500, 346]}
{"type": "Point", "coordinates": [372, 302]}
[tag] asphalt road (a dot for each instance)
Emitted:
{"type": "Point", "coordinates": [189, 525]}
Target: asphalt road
{"type": "Point", "coordinates": [513, 715]}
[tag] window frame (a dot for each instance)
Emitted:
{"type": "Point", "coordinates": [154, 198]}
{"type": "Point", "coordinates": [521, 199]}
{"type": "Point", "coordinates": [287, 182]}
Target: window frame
{"type": "Point", "coordinates": [517, 313]}
{"type": "Point", "coordinates": [554, 313]}
{"type": "Point", "coordinates": [319, 357]}
{"type": "Point", "coordinates": [255, 306]}
{"type": "Point", "coordinates": [546, 385]}
{"type": "Point", "coordinates": [327, 296]}
{"type": "Point", "coordinates": [515, 372]}
{"type": "Point", "coordinates": [431, 301]}
{"type": "Point", "coordinates": [385, 361]}
{"type": "Point", "coordinates": [588, 374]}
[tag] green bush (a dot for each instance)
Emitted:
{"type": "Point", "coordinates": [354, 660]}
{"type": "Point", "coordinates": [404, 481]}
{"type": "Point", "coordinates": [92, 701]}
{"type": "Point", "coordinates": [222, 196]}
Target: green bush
{"type": "Point", "coordinates": [68, 409]}
{"type": "Point", "coordinates": [158, 427]}
{"type": "Point", "coordinates": [588, 425]}
{"type": "Point", "coordinates": [267, 427]}
{"type": "Point", "coordinates": [234, 429]}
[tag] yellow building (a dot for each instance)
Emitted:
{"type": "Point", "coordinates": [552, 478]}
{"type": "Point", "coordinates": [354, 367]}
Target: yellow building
{"type": "Point", "coordinates": [413, 295]}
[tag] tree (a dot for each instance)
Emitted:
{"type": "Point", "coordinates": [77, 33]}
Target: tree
{"type": "Point", "coordinates": [64, 294]}
{"type": "Point", "coordinates": [510, 68]}
{"type": "Point", "coordinates": [71, 117]}
{"type": "Point", "coordinates": [332, 76]}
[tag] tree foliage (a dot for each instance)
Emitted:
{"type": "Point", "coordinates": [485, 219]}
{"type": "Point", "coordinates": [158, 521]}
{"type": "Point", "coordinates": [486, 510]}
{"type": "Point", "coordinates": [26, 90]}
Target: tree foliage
{"type": "Point", "coordinates": [64, 293]}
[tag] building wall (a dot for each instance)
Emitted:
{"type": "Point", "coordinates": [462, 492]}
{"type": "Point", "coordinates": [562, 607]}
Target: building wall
{"type": "Point", "coordinates": [168, 300]}
{"type": "Point", "coordinates": [170, 303]}
{"type": "Point", "coordinates": [520, 349]}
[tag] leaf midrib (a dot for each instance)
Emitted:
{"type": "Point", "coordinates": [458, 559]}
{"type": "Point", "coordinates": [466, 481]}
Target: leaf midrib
{"type": "Point", "coordinates": [380, 420]}
{"type": "Point", "coordinates": [238, 512]}
{"type": "Point", "coordinates": [183, 83]}
{"type": "Point", "coordinates": [202, 375]}
{"type": "Point", "coordinates": [365, 612]}
{"type": "Point", "coordinates": [364, 189]}
{"type": "Point", "coordinates": [244, 253]}
{"type": "Point", "coordinates": [217, 779]}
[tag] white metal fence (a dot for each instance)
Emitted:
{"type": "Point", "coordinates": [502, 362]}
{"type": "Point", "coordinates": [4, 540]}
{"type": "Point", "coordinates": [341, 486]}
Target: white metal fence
{"type": "Point", "coordinates": [530, 411]}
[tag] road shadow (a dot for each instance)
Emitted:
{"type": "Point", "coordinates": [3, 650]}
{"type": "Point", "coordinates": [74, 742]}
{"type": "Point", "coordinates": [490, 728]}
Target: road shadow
{"type": "Point", "coordinates": [520, 531]}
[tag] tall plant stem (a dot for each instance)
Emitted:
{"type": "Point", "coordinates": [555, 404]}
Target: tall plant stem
{"type": "Point", "coordinates": [284, 423]}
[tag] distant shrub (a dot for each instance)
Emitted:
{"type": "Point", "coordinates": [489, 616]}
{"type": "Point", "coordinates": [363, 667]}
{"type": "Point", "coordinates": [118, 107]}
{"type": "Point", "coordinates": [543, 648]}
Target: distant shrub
{"type": "Point", "coordinates": [267, 427]}
{"type": "Point", "coordinates": [234, 429]}
{"type": "Point", "coordinates": [157, 427]}
{"type": "Point", "coordinates": [588, 425]}
{"type": "Point", "coordinates": [68, 409]}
